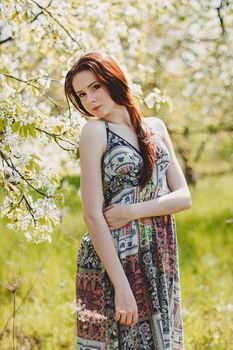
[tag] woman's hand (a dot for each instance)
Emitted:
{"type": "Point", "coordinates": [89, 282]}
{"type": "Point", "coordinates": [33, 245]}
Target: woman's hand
{"type": "Point", "coordinates": [126, 307]}
{"type": "Point", "coordinates": [118, 215]}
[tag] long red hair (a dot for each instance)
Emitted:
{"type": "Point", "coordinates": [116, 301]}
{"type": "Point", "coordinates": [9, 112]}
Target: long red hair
{"type": "Point", "coordinates": [112, 77]}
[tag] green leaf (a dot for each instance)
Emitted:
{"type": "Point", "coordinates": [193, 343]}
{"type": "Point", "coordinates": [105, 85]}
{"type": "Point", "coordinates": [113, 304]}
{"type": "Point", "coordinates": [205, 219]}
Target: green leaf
{"type": "Point", "coordinates": [1, 125]}
{"type": "Point", "coordinates": [42, 221]}
{"type": "Point", "coordinates": [37, 167]}
{"type": "Point", "coordinates": [14, 15]}
{"type": "Point", "coordinates": [32, 131]}
{"type": "Point", "coordinates": [25, 130]}
{"type": "Point", "coordinates": [52, 223]}
{"type": "Point", "coordinates": [15, 127]}
{"type": "Point", "coordinates": [30, 164]}
{"type": "Point", "coordinates": [21, 131]}
{"type": "Point", "coordinates": [77, 155]}
{"type": "Point", "coordinates": [35, 156]}
{"type": "Point", "coordinates": [25, 15]}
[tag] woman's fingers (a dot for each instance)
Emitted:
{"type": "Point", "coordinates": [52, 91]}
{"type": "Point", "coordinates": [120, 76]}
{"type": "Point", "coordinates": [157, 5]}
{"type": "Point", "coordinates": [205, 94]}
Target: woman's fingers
{"type": "Point", "coordinates": [123, 318]}
{"type": "Point", "coordinates": [128, 319]}
{"type": "Point", "coordinates": [109, 207]}
{"type": "Point", "coordinates": [119, 315]}
{"type": "Point", "coordinates": [134, 319]}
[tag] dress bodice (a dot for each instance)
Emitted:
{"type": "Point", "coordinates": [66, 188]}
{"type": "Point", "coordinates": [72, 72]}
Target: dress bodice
{"type": "Point", "coordinates": [121, 167]}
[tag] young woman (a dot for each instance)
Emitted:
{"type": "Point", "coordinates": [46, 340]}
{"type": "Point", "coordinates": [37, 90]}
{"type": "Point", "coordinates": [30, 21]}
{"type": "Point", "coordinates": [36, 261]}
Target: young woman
{"type": "Point", "coordinates": [131, 184]}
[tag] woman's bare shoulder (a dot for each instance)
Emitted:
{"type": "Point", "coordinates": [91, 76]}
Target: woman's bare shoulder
{"type": "Point", "coordinates": [156, 124]}
{"type": "Point", "coordinates": [93, 125]}
{"type": "Point", "coordinates": [92, 132]}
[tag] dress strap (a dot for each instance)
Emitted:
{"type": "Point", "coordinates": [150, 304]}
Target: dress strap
{"type": "Point", "coordinates": [107, 132]}
{"type": "Point", "coordinates": [106, 124]}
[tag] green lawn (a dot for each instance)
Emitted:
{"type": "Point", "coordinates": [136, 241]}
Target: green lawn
{"type": "Point", "coordinates": [46, 319]}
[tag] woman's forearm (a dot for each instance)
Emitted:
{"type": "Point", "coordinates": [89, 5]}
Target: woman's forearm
{"type": "Point", "coordinates": [170, 203]}
{"type": "Point", "coordinates": [105, 248]}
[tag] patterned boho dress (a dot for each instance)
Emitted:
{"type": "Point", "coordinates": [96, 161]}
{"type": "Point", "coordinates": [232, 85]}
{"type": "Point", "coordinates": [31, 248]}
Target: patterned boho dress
{"type": "Point", "coordinates": [148, 251]}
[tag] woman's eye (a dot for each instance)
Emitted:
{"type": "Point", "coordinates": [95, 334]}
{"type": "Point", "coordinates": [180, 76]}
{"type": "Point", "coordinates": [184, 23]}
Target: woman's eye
{"type": "Point", "coordinates": [97, 86]}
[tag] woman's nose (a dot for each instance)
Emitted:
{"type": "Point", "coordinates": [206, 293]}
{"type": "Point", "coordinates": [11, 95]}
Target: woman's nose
{"type": "Point", "coordinates": [91, 97]}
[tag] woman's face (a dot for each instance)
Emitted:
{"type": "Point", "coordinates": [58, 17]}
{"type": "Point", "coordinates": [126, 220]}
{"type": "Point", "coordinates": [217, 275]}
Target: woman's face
{"type": "Point", "coordinates": [93, 94]}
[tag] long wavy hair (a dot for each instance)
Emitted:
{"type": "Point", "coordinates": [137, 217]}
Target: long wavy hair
{"type": "Point", "coordinates": [112, 77]}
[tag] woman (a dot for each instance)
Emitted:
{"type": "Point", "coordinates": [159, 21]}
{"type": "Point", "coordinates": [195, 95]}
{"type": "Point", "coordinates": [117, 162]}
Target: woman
{"type": "Point", "coordinates": [131, 184]}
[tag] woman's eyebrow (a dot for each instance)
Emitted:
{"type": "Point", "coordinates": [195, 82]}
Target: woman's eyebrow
{"type": "Point", "coordinates": [88, 85]}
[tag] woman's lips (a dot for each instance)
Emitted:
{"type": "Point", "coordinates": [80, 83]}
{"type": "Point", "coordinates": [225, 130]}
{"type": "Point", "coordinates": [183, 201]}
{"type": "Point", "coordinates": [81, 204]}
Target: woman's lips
{"type": "Point", "coordinates": [96, 108]}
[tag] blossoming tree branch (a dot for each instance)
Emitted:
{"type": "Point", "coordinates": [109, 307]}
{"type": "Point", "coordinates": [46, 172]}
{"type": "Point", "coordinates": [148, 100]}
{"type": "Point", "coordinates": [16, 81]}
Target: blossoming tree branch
{"type": "Point", "coordinates": [178, 60]}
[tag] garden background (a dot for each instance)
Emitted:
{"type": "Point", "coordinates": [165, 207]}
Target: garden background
{"type": "Point", "coordinates": [178, 58]}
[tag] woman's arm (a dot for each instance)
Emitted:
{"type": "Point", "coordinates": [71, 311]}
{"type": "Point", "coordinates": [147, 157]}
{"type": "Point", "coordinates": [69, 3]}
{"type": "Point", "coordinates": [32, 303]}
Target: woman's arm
{"type": "Point", "coordinates": [92, 146]}
{"type": "Point", "coordinates": [178, 199]}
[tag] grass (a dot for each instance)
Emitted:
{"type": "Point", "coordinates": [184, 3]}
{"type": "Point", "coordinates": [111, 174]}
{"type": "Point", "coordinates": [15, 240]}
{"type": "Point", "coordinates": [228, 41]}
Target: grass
{"type": "Point", "coordinates": [46, 320]}
{"type": "Point", "coordinates": [205, 249]}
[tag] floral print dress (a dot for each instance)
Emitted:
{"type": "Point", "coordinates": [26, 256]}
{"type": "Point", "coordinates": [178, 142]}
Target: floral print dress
{"type": "Point", "coordinates": [148, 251]}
